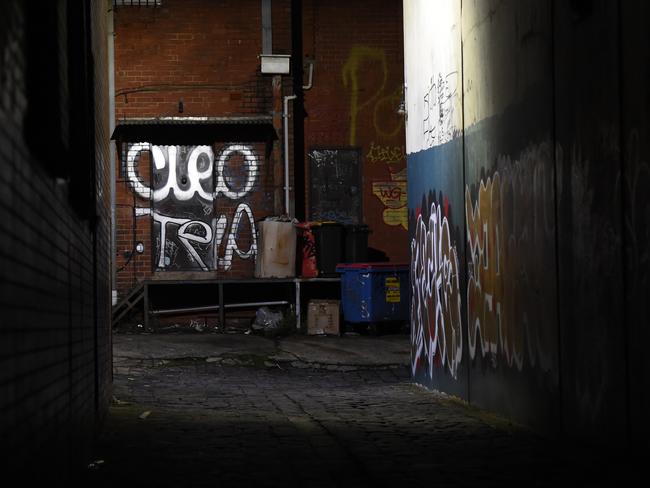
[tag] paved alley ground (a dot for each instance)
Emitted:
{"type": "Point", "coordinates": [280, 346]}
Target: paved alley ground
{"type": "Point", "coordinates": [200, 421]}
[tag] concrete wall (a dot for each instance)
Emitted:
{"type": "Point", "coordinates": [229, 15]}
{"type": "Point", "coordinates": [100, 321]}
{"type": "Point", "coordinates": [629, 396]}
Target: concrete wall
{"type": "Point", "coordinates": [525, 169]}
{"type": "Point", "coordinates": [55, 350]}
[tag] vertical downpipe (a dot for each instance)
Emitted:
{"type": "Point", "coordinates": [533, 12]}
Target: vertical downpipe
{"type": "Point", "coordinates": [298, 111]}
{"type": "Point", "coordinates": [556, 209]}
{"type": "Point", "coordinates": [267, 28]}
{"type": "Point", "coordinates": [112, 156]}
{"type": "Point", "coordinates": [462, 119]}
{"type": "Point", "coordinates": [624, 262]}
{"type": "Point", "coordinates": [285, 116]}
{"type": "Point", "coordinates": [112, 147]}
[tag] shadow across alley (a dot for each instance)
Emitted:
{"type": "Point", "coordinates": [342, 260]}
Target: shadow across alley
{"type": "Point", "coordinates": [251, 414]}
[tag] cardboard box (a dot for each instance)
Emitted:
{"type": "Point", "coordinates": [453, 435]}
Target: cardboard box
{"type": "Point", "coordinates": [276, 250]}
{"type": "Point", "coordinates": [323, 317]}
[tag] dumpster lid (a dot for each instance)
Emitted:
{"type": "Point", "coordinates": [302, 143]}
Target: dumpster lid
{"type": "Point", "coordinates": [318, 223]}
{"type": "Point", "coordinates": [379, 266]}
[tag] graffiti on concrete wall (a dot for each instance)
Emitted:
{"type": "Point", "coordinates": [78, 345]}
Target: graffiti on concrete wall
{"type": "Point", "coordinates": [510, 239]}
{"type": "Point", "coordinates": [438, 121]}
{"type": "Point", "coordinates": [437, 337]}
{"type": "Point", "coordinates": [186, 183]}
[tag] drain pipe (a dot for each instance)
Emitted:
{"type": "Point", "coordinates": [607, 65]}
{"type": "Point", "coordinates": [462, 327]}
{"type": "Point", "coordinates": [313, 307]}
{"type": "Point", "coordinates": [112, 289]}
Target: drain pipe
{"type": "Point", "coordinates": [285, 116]}
{"type": "Point", "coordinates": [311, 74]}
{"type": "Point", "coordinates": [112, 148]}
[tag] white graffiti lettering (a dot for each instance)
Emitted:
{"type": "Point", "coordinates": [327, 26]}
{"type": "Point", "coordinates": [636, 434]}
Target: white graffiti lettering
{"type": "Point", "coordinates": [196, 231]}
{"type": "Point", "coordinates": [437, 336]}
{"type": "Point", "coordinates": [231, 246]}
{"type": "Point", "coordinates": [251, 170]}
{"type": "Point", "coordinates": [198, 171]}
{"type": "Point", "coordinates": [185, 235]}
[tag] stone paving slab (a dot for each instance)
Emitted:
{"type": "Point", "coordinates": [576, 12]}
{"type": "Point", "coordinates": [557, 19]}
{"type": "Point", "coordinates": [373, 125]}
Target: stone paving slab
{"type": "Point", "coordinates": [186, 345]}
{"type": "Point", "coordinates": [349, 350]}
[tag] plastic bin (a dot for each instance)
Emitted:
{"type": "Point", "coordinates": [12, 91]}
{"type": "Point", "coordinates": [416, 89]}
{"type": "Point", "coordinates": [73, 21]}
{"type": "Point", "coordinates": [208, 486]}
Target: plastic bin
{"type": "Point", "coordinates": [356, 243]}
{"type": "Point", "coordinates": [276, 256]}
{"type": "Point", "coordinates": [329, 246]}
{"type": "Point", "coordinates": [374, 292]}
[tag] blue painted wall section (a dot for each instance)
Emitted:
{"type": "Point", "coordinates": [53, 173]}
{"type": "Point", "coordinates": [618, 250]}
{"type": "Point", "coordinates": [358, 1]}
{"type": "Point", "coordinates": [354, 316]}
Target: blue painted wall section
{"type": "Point", "coordinates": [436, 220]}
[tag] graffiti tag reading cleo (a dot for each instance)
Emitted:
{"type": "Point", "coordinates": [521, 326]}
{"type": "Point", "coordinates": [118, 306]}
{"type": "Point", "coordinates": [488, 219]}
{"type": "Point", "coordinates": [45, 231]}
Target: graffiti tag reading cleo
{"type": "Point", "coordinates": [201, 240]}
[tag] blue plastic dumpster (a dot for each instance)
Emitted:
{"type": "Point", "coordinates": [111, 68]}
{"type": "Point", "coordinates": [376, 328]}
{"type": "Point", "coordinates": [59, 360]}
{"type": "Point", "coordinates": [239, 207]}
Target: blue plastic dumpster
{"type": "Point", "coordinates": [374, 292]}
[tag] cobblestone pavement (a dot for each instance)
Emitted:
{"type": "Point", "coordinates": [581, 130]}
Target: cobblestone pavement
{"type": "Point", "coordinates": [196, 423]}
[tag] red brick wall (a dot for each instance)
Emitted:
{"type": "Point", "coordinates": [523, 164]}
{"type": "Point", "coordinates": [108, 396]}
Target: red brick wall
{"type": "Point", "coordinates": [358, 76]}
{"type": "Point", "coordinates": [204, 53]}
{"type": "Point", "coordinates": [200, 51]}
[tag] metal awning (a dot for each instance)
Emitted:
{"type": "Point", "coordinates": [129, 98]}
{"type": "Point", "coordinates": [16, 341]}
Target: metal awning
{"type": "Point", "coordinates": [182, 131]}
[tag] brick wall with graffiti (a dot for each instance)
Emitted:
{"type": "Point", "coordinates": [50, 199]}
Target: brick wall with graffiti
{"type": "Point", "coordinates": [357, 50]}
{"type": "Point", "coordinates": [523, 208]}
{"type": "Point", "coordinates": [198, 210]}
{"type": "Point", "coordinates": [194, 207]}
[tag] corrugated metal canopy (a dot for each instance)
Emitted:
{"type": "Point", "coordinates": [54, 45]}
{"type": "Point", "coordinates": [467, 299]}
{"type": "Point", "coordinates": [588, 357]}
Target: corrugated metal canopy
{"type": "Point", "coordinates": [136, 3]}
{"type": "Point", "coordinates": [195, 130]}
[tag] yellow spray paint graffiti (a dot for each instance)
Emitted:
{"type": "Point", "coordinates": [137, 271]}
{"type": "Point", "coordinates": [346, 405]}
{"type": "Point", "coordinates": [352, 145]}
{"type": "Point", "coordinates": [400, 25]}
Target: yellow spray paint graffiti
{"type": "Point", "coordinates": [366, 76]}
{"type": "Point", "coordinates": [378, 102]}
{"type": "Point", "coordinates": [385, 154]}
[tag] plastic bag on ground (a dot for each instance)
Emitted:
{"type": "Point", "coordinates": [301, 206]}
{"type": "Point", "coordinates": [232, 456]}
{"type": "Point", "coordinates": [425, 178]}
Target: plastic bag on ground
{"type": "Point", "coordinates": [265, 318]}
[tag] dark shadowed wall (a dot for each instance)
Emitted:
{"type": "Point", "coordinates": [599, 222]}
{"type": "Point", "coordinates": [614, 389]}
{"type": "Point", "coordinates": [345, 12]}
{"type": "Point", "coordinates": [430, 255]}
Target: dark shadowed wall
{"type": "Point", "coordinates": [55, 349]}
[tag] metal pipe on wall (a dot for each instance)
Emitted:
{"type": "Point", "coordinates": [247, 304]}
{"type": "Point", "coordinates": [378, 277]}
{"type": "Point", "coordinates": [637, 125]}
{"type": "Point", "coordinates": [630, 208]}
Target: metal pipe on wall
{"type": "Point", "coordinates": [217, 307]}
{"type": "Point", "coordinates": [311, 74]}
{"type": "Point", "coordinates": [285, 116]}
{"type": "Point", "coordinates": [112, 148]}
{"type": "Point", "coordinates": [267, 27]}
